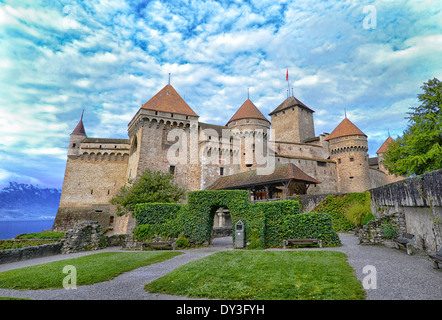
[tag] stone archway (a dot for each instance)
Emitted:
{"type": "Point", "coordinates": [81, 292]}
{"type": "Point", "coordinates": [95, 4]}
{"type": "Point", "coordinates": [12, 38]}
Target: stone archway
{"type": "Point", "coordinates": [222, 223]}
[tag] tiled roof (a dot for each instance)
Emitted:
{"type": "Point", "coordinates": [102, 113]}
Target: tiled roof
{"type": "Point", "coordinates": [283, 172]}
{"type": "Point", "coordinates": [106, 140]}
{"type": "Point", "coordinates": [384, 146]}
{"type": "Point", "coordinates": [288, 103]}
{"type": "Point", "coordinates": [79, 129]}
{"type": "Point", "coordinates": [345, 128]}
{"type": "Point", "coordinates": [248, 111]}
{"type": "Point", "coordinates": [168, 100]}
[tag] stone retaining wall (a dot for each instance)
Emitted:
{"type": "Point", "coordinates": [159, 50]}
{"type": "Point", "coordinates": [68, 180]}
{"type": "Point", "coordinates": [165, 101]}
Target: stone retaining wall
{"type": "Point", "coordinates": [419, 201]}
{"type": "Point", "coordinates": [13, 255]}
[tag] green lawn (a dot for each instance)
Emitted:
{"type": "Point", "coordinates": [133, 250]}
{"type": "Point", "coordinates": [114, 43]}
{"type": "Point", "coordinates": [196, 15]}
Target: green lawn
{"type": "Point", "coordinates": [90, 269]}
{"type": "Point", "coordinates": [264, 275]}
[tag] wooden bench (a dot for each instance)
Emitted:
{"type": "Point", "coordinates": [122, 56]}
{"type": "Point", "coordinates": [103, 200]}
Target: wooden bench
{"type": "Point", "coordinates": [405, 240]}
{"type": "Point", "coordinates": [301, 242]}
{"type": "Point", "coordinates": [159, 245]}
{"type": "Point", "coordinates": [437, 258]}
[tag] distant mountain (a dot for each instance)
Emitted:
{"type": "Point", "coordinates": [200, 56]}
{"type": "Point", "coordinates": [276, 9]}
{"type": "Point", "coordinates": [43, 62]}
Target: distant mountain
{"type": "Point", "coordinates": [19, 201]}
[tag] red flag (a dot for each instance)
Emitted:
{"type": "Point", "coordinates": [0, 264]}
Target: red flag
{"type": "Point", "coordinates": [287, 75]}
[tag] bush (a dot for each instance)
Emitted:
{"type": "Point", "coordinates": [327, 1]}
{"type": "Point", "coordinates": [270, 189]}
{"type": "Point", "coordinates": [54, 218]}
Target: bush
{"type": "Point", "coordinates": [311, 225]}
{"type": "Point", "coordinates": [266, 224]}
{"type": "Point", "coordinates": [367, 218]}
{"type": "Point", "coordinates": [182, 242]}
{"type": "Point", "coordinates": [143, 232]}
{"type": "Point", "coordinates": [275, 213]}
{"type": "Point", "coordinates": [388, 231]}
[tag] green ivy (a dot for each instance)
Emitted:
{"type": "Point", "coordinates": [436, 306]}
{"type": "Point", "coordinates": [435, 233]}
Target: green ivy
{"type": "Point", "coordinates": [343, 208]}
{"type": "Point", "coordinates": [266, 224]}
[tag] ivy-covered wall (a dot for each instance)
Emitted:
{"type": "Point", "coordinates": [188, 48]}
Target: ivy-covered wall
{"type": "Point", "coordinates": [266, 224]}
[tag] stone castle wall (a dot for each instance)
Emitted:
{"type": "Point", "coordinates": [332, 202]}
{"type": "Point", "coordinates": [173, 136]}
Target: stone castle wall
{"type": "Point", "coordinates": [293, 124]}
{"type": "Point", "coordinates": [419, 200]}
{"type": "Point", "coordinates": [350, 154]}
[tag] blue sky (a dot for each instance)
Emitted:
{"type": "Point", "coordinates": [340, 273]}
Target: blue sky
{"type": "Point", "coordinates": [108, 57]}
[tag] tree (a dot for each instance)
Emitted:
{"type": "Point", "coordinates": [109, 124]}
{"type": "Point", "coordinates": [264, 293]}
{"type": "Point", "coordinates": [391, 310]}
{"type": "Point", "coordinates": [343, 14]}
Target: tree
{"type": "Point", "coordinates": [419, 150]}
{"type": "Point", "coordinates": [151, 186]}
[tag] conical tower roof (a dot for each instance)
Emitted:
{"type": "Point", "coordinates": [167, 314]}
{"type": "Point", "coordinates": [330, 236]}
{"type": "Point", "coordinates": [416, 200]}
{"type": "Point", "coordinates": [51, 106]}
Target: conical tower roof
{"type": "Point", "coordinates": [384, 146]}
{"type": "Point", "coordinates": [345, 128]}
{"type": "Point", "coordinates": [168, 100]}
{"type": "Point", "coordinates": [79, 129]}
{"type": "Point", "coordinates": [288, 103]}
{"type": "Point", "coordinates": [248, 111]}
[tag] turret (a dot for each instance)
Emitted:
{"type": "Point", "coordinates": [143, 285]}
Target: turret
{"type": "Point", "coordinates": [348, 147]}
{"type": "Point", "coordinates": [252, 127]}
{"type": "Point", "coordinates": [78, 135]}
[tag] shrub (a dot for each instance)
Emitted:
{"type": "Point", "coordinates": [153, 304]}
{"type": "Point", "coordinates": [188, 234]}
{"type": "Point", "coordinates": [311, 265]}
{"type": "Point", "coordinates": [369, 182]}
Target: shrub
{"type": "Point", "coordinates": [266, 224]}
{"type": "Point", "coordinates": [367, 218]}
{"type": "Point", "coordinates": [150, 187]}
{"type": "Point", "coordinates": [388, 231]}
{"type": "Point", "coordinates": [143, 232]}
{"type": "Point", "coordinates": [182, 242]}
{"type": "Point", "coordinates": [311, 225]}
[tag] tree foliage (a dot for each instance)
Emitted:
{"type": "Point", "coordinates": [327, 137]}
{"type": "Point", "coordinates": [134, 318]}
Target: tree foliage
{"type": "Point", "coordinates": [419, 150]}
{"type": "Point", "coordinates": [151, 186]}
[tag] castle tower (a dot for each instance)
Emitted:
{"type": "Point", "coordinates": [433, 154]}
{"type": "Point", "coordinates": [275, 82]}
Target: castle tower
{"type": "Point", "coordinates": [380, 153]}
{"type": "Point", "coordinates": [348, 147]}
{"type": "Point", "coordinates": [251, 126]}
{"type": "Point", "coordinates": [292, 121]}
{"type": "Point", "coordinates": [389, 178]}
{"type": "Point", "coordinates": [148, 133]}
{"type": "Point", "coordinates": [78, 135]}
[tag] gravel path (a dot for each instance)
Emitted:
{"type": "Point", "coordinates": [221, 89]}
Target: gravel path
{"type": "Point", "coordinates": [398, 276]}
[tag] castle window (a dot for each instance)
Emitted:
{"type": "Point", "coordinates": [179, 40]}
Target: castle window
{"type": "Point", "coordinates": [321, 163]}
{"type": "Point", "coordinates": [339, 160]}
{"type": "Point", "coordinates": [171, 115]}
{"type": "Point", "coordinates": [92, 191]}
{"type": "Point", "coordinates": [74, 145]}
{"type": "Point", "coordinates": [352, 159]}
{"type": "Point", "coordinates": [108, 191]}
{"type": "Point", "coordinates": [111, 219]}
{"type": "Point", "coordinates": [172, 169]}
{"type": "Point", "coordinates": [221, 171]}
{"type": "Point", "coordinates": [351, 177]}
{"type": "Point", "coordinates": [156, 113]}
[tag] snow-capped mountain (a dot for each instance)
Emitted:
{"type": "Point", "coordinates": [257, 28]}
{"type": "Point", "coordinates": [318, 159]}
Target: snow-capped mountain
{"type": "Point", "coordinates": [19, 201]}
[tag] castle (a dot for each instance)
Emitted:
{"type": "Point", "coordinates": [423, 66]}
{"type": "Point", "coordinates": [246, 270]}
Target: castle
{"type": "Point", "coordinates": [165, 134]}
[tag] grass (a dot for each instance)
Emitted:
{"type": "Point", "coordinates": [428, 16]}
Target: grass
{"type": "Point", "coordinates": [264, 275]}
{"type": "Point", "coordinates": [15, 244]}
{"type": "Point", "coordinates": [90, 269]}
{"type": "Point", "coordinates": [41, 235]}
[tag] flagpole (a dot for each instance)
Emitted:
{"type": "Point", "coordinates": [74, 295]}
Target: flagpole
{"type": "Point", "coordinates": [288, 83]}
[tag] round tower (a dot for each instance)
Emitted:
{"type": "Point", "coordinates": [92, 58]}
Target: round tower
{"type": "Point", "coordinates": [78, 135]}
{"type": "Point", "coordinates": [348, 147]}
{"type": "Point", "coordinates": [252, 128]}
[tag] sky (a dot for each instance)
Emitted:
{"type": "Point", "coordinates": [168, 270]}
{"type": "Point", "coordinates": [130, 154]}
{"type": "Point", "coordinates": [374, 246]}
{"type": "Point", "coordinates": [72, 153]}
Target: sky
{"type": "Point", "coordinates": [367, 59]}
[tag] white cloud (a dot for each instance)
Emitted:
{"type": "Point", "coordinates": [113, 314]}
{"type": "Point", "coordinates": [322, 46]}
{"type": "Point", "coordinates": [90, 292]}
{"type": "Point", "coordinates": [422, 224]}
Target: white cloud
{"type": "Point", "coordinates": [109, 57]}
